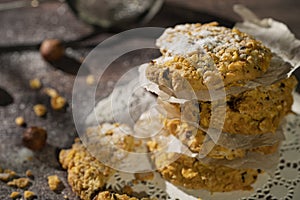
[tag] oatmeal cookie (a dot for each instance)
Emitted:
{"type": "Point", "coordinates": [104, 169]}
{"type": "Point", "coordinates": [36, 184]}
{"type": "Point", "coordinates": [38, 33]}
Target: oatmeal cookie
{"type": "Point", "coordinates": [195, 139]}
{"type": "Point", "coordinates": [106, 195]}
{"type": "Point", "coordinates": [206, 55]}
{"type": "Point", "coordinates": [86, 175]}
{"type": "Point", "coordinates": [256, 111]}
{"type": "Point", "coordinates": [190, 173]}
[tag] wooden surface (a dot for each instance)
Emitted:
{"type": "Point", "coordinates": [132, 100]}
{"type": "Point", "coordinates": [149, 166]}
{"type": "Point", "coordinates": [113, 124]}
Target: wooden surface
{"type": "Point", "coordinates": [21, 63]}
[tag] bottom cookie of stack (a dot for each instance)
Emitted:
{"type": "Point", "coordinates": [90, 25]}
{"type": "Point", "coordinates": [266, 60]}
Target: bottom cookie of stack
{"type": "Point", "coordinates": [191, 173]}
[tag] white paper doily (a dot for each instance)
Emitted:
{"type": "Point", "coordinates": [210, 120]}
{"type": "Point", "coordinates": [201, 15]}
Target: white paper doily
{"type": "Point", "coordinates": [284, 184]}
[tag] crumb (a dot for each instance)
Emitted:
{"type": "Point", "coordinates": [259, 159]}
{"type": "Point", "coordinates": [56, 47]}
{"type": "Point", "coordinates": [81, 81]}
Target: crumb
{"type": "Point", "coordinates": [29, 195]}
{"type": "Point", "coordinates": [55, 184]}
{"type": "Point", "coordinates": [34, 138]}
{"type": "Point", "coordinates": [4, 177]}
{"type": "Point", "coordinates": [29, 173]}
{"type": "Point", "coordinates": [20, 121]}
{"type": "Point", "coordinates": [7, 174]}
{"type": "Point", "coordinates": [66, 197]}
{"type": "Point", "coordinates": [10, 172]}
{"type": "Point", "coordinates": [58, 102]}
{"type": "Point", "coordinates": [14, 195]}
{"type": "Point", "coordinates": [40, 110]}
{"type": "Point", "coordinates": [90, 79]}
{"type": "Point", "coordinates": [19, 183]}
{"type": "Point", "coordinates": [35, 84]}
{"type": "Point", "coordinates": [51, 92]}
{"type": "Point", "coordinates": [1, 170]}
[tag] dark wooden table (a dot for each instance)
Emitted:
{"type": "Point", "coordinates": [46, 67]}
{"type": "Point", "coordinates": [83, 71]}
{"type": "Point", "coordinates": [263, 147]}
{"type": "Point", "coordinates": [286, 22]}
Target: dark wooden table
{"type": "Point", "coordinates": [23, 29]}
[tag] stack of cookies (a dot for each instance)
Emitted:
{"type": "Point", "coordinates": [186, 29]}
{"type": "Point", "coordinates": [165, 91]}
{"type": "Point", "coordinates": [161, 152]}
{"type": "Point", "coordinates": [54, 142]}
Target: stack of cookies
{"type": "Point", "coordinates": [198, 61]}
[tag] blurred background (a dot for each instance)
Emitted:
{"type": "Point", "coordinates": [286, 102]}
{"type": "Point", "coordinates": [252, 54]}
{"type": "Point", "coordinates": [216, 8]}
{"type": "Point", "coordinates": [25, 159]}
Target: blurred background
{"type": "Point", "coordinates": [80, 25]}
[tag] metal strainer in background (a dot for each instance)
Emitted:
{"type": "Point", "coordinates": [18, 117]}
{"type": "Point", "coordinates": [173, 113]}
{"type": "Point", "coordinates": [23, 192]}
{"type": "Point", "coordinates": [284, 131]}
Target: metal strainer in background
{"type": "Point", "coordinates": [108, 13]}
{"type": "Point", "coordinates": [101, 13]}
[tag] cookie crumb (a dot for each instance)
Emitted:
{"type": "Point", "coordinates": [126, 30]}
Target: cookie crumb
{"type": "Point", "coordinates": [19, 183]}
{"type": "Point", "coordinates": [40, 110]}
{"type": "Point", "coordinates": [7, 174]}
{"type": "Point", "coordinates": [51, 92]}
{"type": "Point", "coordinates": [4, 177]}
{"type": "Point", "coordinates": [28, 195]}
{"type": "Point", "coordinates": [14, 195]}
{"type": "Point", "coordinates": [20, 121]}
{"type": "Point", "coordinates": [29, 173]}
{"type": "Point", "coordinates": [35, 84]}
{"type": "Point", "coordinates": [58, 102]}
{"type": "Point", "coordinates": [55, 184]}
{"type": "Point", "coordinates": [10, 172]}
{"type": "Point", "coordinates": [90, 79]}
{"type": "Point", "coordinates": [66, 197]}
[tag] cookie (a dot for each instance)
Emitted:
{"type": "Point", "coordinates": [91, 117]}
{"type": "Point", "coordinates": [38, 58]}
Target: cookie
{"type": "Point", "coordinates": [195, 139]}
{"type": "Point", "coordinates": [86, 174]}
{"type": "Point", "coordinates": [199, 56]}
{"type": "Point", "coordinates": [256, 111]}
{"type": "Point", "coordinates": [106, 195]}
{"type": "Point", "coordinates": [190, 173]}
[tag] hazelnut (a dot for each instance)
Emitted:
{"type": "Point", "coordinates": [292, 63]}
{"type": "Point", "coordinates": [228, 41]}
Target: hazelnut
{"type": "Point", "coordinates": [52, 50]}
{"type": "Point", "coordinates": [34, 138]}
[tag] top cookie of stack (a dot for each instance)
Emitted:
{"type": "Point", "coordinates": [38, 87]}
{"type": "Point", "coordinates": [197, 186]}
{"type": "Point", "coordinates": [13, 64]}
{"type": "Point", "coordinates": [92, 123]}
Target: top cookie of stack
{"type": "Point", "coordinates": [207, 56]}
